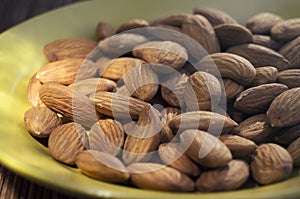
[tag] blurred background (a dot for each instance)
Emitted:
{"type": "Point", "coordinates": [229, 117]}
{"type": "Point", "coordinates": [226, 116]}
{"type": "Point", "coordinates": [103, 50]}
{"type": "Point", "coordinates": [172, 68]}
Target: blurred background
{"type": "Point", "coordinates": [13, 12]}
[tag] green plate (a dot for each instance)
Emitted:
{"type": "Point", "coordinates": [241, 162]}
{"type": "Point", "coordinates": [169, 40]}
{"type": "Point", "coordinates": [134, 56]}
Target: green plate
{"type": "Point", "coordinates": [21, 55]}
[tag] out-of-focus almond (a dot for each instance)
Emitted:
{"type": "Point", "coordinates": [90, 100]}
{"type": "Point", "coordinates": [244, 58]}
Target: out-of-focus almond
{"type": "Point", "coordinates": [294, 150]}
{"type": "Point", "coordinates": [68, 48]}
{"type": "Point", "coordinates": [214, 16]}
{"type": "Point", "coordinates": [286, 30]}
{"type": "Point", "coordinates": [104, 30]}
{"type": "Point", "coordinates": [132, 24]}
{"type": "Point", "coordinates": [291, 78]}
{"type": "Point", "coordinates": [262, 23]}
{"type": "Point", "coordinates": [267, 41]}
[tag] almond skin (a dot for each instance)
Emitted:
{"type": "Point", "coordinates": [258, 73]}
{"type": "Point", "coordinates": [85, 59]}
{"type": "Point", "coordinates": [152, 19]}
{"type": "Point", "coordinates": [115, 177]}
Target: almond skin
{"type": "Point", "coordinates": [74, 106]}
{"type": "Point", "coordinates": [68, 48]}
{"type": "Point", "coordinates": [40, 122]}
{"type": "Point", "coordinates": [102, 166]}
{"type": "Point", "coordinates": [271, 163]}
{"type": "Point", "coordinates": [66, 141]}
{"type": "Point", "coordinates": [285, 109]}
{"type": "Point", "coordinates": [214, 153]}
{"type": "Point", "coordinates": [66, 71]}
{"type": "Point", "coordinates": [159, 177]}
{"type": "Point", "coordinates": [107, 135]}
{"type": "Point", "coordinates": [232, 176]}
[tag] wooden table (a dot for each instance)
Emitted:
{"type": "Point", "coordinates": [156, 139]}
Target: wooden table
{"type": "Point", "coordinates": [13, 186]}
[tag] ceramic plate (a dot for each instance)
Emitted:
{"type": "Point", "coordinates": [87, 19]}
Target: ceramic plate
{"type": "Point", "coordinates": [21, 55]}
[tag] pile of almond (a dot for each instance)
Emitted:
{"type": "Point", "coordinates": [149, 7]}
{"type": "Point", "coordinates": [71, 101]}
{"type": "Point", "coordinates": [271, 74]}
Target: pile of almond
{"type": "Point", "coordinates": [186, 102]}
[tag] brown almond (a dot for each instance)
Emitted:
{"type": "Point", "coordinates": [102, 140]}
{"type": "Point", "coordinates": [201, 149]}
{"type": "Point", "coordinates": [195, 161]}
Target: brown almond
{"type": "Point", "coordinates": [232, 89]}
{"type": "Point", "coordinates": [93, 85]}
{"type": "Point", "coordinates": [74, 106]}
{"type": "Point", "coordinates": [291, 78]}
{"type": "Point", "coordinates": [285, 109]}
{"type": "Point", "coordinates": [257, 99]}
{"type": "Point", "coordinates": [229, 66]}
{"type": "Point", "coordinates": [173, 156]}
{"type": "Point", "coordinates": [166, 133]}
{"type": "Point", "coordinates": [171, 20]}
{"type": "Point", "coordinates": [271, 163]}
{"type": "Point", "coordinates": [262, 23]}
{"type": "Point", "coordinates": [294, 150]}
{"type": "Point", "coordinates": [214, 16]}
{"type": "Point", "coordinates": [132, 24]}
{"type": "Point", "coordinates": [288, 134]}
{"type": "Point", "coordinates": [205, 149]}
{"type": "Point", "coordinates": [118, 106]}
{"type": "Point", "coordinates": [172, 90]}
{"type": "Point", "coordinates": [267, 41]}
{"type": "Point", "coordinates": [286, 30]}
{"type": "Point", "coordinates": [41, 121]}
{"type": "Point", "coordinates": [198, 28]}
{"type": "Point", "coordinates": [118, 67]}
{"type": "Point", "coordinates": [264, 75]}
{"type": "Point", "coordinates": [291, 51]}
{"type": "Point", "coordinates": [159, 177]}
{"type": "Point", "coordinates": [104, 30]}
{"type": "Point", "coordinates": [202, 120]}
{"type": "Point", "coordinates": [162, 52]}
{"type": "Point", "coordinates": [232, 176]}
{"type": "Point", "coordinates": [102, 166]}
{"type": "Point", "coordinates": [68, 48]}
{"type": "Point", "coordinates": [141, 82]}
{"type": "Point", "coordinates": [121, 44]}
{"type": "Point", "coordinates": [238, 146]}
{"type": "Point", "coordinates": [66, 141]}
{"type": "Point", "coordinates": [33, 89]}
{"type": "Point", "coordinates": [232, 35]}
{"type": "Point", "coordinates": [66, 71]}
{"type": "Point", "coordinates": [202, 91]}
{"type": "Point", "coordinates": [254, 128]}
{"type": "Point", "coordinates": [143, 138]}
{"type": "Point", "coordinates": [107, 136]}
{"type": "Point", "coordinates": [260, 56]}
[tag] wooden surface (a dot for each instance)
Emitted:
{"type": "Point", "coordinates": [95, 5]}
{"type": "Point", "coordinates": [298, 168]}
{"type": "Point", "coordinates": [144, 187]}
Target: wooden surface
{"type": "Point", "coordinates": [12, 12]}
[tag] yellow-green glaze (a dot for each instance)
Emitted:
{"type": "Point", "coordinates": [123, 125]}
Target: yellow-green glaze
{"type": "Point", "coordinates": [21, 54]}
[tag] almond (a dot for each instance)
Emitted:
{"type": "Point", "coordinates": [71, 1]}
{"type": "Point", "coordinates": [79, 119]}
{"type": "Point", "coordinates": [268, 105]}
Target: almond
{"type": "Point", "coordinates": [286, 30]}
{"type": "Point", "coordinates": [264, 75]}
{"type": "Point", "coordinates": [107, 136]}
{"type": "Point", "coordinates": [288, 134]}
{"type": "Point", "coordinates": [159, 177]}
{"type": "Point", "coordinates": [294, 150]}
{"type": "Point", "coordinates": [33, 89]}
{"type": "Point", "coordinates": [68, 48]}
{"type": "Point", "coordinates": [205, 149]}
{"type": "Point", "coordinates": [232, 176]}
{"type": "Point", "coordinates": [271, 163]}
{"type": "Point", "coordinates": [102, 166]}
{"type": "Point", "coordinates": [267, 41]}
{"type": "Point", "coordinates": [262, 23]}
{"type": "Point", "coordinates": [66, 141]}
{"type": "Point", "coordinates": [285, 109]}
{"type": "Point", "coordinates": [257, 99]}
{"type": "Point", "coordinates": [66, 71]}
{"type": "Point", "coordinates": [232, 89]}
{"type": "Point", "coordinates": [291, 78]}
{"type": "Point", "coordinates": [104, 30]}
{"type": "Point", "coordinates": [291, 51]}
{"type": "Point", "coordinates": [229, 66]}
{"type": "Point", "coordinates": [132, 24]}
{"type": "Point", "coordinates": [40, 121]}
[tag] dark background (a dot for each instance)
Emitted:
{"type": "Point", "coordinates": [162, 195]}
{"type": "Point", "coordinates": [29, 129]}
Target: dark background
{"type": "Point", "coordinates": [13, 12]}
